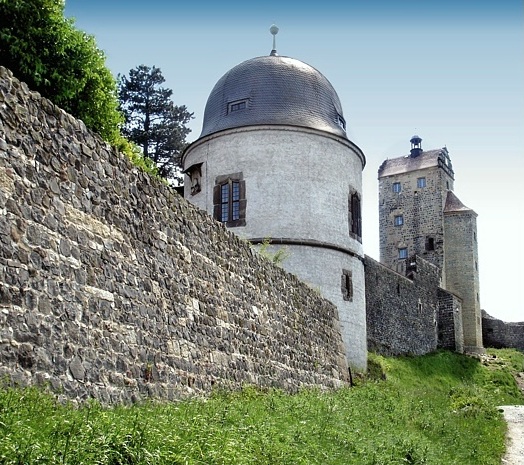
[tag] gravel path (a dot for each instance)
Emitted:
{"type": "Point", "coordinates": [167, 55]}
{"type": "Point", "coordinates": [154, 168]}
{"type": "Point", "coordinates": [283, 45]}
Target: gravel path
{"type": "Point", "coordinates": [514, 416]}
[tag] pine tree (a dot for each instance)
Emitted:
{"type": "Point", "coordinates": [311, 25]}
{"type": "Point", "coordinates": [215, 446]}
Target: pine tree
{"type": "Point", "coordinates": [152, 120]}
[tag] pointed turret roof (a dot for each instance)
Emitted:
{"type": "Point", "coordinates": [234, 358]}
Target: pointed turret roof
{"type": "Point", "coordinates": [454, 205]}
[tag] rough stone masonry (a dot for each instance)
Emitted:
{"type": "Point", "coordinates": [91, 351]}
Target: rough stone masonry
{"type": "Point", "coordinates": [112, 286]}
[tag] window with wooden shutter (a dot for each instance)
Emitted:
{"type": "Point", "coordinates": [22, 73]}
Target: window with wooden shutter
{"type": "Point", "coordinates": [229, 200]}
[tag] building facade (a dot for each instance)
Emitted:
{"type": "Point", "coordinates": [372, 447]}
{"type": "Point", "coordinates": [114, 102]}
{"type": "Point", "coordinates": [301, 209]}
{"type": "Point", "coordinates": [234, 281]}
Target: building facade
{"type": "Point", "coordinates": [412, 197]}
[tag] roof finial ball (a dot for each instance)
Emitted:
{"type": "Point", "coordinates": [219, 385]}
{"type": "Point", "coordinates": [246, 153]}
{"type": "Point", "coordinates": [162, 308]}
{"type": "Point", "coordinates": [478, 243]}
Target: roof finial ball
{"type": "Point", "coordinates": [274, 31]}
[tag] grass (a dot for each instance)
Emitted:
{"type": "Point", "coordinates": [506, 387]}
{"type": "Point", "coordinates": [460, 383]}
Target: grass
{"type": "Point", "coordinates": [437, 409]}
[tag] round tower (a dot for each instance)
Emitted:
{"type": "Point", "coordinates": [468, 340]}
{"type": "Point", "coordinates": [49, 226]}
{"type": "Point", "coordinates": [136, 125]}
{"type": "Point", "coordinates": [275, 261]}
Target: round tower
{"type": "Point", "coordinates": [274, 162]}
{"type": "Point", "coordinates": [461, 267]}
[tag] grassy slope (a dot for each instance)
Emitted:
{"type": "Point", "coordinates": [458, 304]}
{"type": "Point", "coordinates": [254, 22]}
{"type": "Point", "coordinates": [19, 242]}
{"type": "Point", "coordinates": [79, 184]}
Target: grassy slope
{"type": "Point", "coordinates": [438, 409]}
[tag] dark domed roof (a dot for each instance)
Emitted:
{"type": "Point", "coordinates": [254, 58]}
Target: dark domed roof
{"type": "Point", "coordinates": [273, 90]}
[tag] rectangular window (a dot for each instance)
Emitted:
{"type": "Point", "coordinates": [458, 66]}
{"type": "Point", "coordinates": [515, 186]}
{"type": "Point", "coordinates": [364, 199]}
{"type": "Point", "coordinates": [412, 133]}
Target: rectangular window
{"type": "Point", "coordinates": [397, 187]}
{"type": "Point", "coordinates": [194, 172]}
{"type": "Point", "coordinates": [354, 216]}
{"type": "Point", "coordinates": [399, 220]}
{"type": "Point", "coordinates": [229, 200]}
{"type": "Point", "coordinates": [235, 200]}
{"type": "Point", "coordinates": [430, 243]}
{"type": "Point", "coordinates": [224, 201]}
{"type": "Point", "coordinates": [347, 285]}
{"type": "Point", "coordinates": [236, 106]}
{"type": "Point", "coordinates": [403, 252]}
{"type": "Point", "coordinates": [421, 182]}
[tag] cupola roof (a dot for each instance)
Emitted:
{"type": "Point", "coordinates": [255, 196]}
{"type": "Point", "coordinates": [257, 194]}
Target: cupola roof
{"type": "Point", "coordinates": [273, 90]}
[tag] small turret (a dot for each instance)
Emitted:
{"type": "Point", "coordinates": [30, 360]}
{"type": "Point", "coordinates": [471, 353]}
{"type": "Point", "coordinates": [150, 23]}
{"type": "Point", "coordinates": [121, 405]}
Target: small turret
{"type": "Point", "coordinates": [416, 146]}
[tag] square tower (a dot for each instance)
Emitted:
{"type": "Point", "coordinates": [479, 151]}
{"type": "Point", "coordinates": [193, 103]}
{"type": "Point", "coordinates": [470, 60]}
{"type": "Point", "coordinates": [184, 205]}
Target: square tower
{"type": "Point", "coordinates": [412, 196]}
{"type": "Point", "coordinates": [420, 215]}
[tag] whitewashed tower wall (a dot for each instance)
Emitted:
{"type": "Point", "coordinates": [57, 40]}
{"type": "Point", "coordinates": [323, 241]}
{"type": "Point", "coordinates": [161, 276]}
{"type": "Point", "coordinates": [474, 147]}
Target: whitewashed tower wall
{"type": "Point", "coordinates": [298, 184]}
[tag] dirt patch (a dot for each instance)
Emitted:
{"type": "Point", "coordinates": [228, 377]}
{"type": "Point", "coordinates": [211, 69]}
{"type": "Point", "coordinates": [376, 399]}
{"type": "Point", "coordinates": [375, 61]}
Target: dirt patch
{"type": "Point", "coordinates": [514, 416]}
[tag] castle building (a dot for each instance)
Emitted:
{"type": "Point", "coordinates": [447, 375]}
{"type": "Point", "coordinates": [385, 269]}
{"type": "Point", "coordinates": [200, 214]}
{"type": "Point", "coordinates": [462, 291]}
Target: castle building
{"type": "Point", "coordinates": [419, 215]}
{"type": "Point", "coordinates": [273, 162]}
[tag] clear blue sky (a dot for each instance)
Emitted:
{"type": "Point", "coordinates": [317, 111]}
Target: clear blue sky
{"type": "Point", "coordinates": [451, 71]}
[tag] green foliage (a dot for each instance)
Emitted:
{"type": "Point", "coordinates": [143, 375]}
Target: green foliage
{"type": "Point", "coordinates": [438, 409]}
{"type": "Point", "coordinates": [377, 368]}
{"type": "Point", "coordinates": [44, 49]}
{"type": "Point", "coordinates": [152, 121]}
{"type": "Point", "coordinates": [510, 358]}
{"type": "Point", "coordinates": [133, 152]}
{"type": "Point", "coordinates": [470, 401]}
{"type": "Point", "coordinates": [277, 257]}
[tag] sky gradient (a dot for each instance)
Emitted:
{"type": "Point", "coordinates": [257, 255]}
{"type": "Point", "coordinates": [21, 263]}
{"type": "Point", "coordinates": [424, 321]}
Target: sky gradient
{"type": "Point", "coordinates": [450, 71]}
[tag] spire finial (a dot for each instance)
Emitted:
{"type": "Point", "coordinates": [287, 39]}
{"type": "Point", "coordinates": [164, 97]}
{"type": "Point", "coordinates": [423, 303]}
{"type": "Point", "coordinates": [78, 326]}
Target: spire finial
{"type": "Point", "coordinates": [274, 31]}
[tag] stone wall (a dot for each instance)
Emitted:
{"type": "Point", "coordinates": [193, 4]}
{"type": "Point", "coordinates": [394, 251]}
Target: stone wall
{"type": "Point", "coordinates": [113, 286]}
{"type": "Point", "coordinates": [450, 330]}
{"type": "Point", "coordinates": [402, 312]}
{"type": "Point", "coordinates": [500, 334]}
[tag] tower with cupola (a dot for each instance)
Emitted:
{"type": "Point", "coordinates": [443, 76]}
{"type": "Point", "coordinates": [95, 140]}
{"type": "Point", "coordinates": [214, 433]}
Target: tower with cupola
{"type": "Point", "coordinates": [273, 163]}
